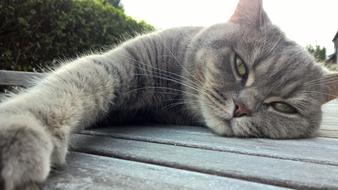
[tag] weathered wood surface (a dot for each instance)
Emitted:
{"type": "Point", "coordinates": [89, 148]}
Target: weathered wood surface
{"type": "Point", "coordinates": [85, 171]}
{"type": "Point", "coordinates": [17, 78]}
{"type": "Point", "coordinates": [275, 171]}
{"type": "Point", "coordinates": [194, 158]}
{"type": "Point", "coordinates": [306, 150]}
{"type": "Point", "coordinates": [329, 127]}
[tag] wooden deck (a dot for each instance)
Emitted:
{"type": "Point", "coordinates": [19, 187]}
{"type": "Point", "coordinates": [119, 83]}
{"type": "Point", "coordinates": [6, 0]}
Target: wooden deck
{"type": "Point", "coordinates": [182, 157]}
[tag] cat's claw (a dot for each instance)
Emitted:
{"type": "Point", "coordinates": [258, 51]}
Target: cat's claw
{"type": "Point", "coordinates": [25, 151]}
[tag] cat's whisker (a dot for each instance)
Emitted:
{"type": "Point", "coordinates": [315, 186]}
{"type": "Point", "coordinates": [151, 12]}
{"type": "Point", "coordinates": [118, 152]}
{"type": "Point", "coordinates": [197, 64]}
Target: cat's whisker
{"type": "Point", "coordinates": [324, 78]}
{"type": "Point", "coordinates": [190, 84]}
{"type": "Point", "coordinates": [215, 103]}
{"type": "Point", "coordinates": [176, 75]}
{"type": "Point", "coordinates": [322, 93]}
{"type": "Point", "coordinates": [179, 63]}
{"type": "Point", "coordinates": [196, 89]}
{"type": "Point", "coordinates": [212, 107]}
{"type": "Point", "coordinates": [185, 70]}
{"type": "Point", "coordinates": [175, 99]}
{"type": "Point", "coordinates": [216, 93]}
{"type": "Point", "coordinates": [161, 92]}
{"type": "Point", "coordinates": [175, 81]}
{"type": "Point", "coordinates": [158, 69]}
{"type": "Point", "coordinates": [219, 112]}
{"type": "Point", "coordinates": [217, 97]}
{"type": "Point", "coordinates": [163, 72]}
{"type": "Point", "coordinates": [321, 81]}
{"type": "Point", "coordinates": [171, 106]}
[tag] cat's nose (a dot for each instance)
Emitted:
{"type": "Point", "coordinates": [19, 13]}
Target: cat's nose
{"type": "Point", "coordinates": [241, 110]}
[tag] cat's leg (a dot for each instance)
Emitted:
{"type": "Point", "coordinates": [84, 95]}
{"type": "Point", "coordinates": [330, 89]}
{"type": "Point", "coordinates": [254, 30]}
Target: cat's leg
{"type": "Point", "coordinates": [35, 125]}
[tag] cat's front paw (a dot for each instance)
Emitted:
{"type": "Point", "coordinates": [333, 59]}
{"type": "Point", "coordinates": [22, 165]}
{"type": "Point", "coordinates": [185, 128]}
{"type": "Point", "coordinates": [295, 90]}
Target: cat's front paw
{"type": "Point", "coordinates": [25, 151]}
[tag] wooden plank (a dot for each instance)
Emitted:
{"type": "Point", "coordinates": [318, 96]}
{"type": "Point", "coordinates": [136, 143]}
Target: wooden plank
{"type": "Point", "coordinates": [330, 116]}
{"type": "Point", "coordinates": [86, 171]}
{"type": "Point", "coordinates": [328, 133]}
{"type": "Point", "coordinates": [294, 174]}
{"type": "Point", "coordinates": [329, 126]}
{"type": "Point", "coordinates": [17, 78]}
{"type": "Point", "coordinates": [316, 150]}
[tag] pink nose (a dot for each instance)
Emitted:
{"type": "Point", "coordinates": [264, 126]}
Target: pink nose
{"type": "Point", "coordinates": [241, 110]}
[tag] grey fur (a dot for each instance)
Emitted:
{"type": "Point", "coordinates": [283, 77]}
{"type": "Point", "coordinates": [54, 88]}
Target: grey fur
{"type": "Point", "coordinates": [182, 76]}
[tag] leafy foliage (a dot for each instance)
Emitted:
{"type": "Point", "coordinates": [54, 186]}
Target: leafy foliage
{"type": "Point", "coordinates": [38, 32]}
{"type": "Point", "coordinates": [115, 3]}
{"type": "Point", "coordinates": [319, 53]}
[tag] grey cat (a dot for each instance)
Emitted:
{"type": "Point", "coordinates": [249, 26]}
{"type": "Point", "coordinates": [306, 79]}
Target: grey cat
{"type": "Point", "coordinates": [243, 78]}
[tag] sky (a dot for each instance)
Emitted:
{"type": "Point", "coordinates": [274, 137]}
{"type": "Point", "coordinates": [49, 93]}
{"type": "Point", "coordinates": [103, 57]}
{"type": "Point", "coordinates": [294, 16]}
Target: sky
{"type": "Point", "coordinates": [307, 22]}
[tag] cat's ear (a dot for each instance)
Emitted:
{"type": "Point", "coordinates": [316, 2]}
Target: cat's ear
{"type": "Point", "coordinates": [330, 87]}
{"type": "Point", "coordinates": [250, 12]}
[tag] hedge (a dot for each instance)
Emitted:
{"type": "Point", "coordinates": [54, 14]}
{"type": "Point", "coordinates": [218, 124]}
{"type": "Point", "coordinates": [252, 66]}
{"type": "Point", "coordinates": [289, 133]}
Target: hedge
{"type": "Point", "coordinates": [36, 33]}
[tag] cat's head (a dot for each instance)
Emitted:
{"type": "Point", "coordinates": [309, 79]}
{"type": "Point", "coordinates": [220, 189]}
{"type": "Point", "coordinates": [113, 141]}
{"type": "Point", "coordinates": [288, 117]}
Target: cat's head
{"type": "Point", "coordinates": [256, 82]}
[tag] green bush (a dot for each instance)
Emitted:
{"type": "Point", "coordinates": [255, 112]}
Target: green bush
{"type": "Point", "coordinates": [319, 53]}
{"type": "Point", "coordinates": [35, 33]}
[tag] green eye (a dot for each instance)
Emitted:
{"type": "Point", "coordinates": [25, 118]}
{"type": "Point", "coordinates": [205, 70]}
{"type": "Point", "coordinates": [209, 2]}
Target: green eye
{"type": "Point", "coordinates": [240, 67]}
{"type": "Point", "coordinates": [284, 108]}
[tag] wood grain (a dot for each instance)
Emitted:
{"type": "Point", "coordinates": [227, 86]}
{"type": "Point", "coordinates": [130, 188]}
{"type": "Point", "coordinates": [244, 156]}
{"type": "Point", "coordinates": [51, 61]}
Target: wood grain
{"type": "Point", "coordinates": [86, 171]}
{"type": "Point", "coordinates": [287, 173]}
{"type": "Point", "coordinates": [307, 150]}
{"type": "Point", "coordinates": [330, 116]}
{"type": "Point", "coordinates": [17, 78]}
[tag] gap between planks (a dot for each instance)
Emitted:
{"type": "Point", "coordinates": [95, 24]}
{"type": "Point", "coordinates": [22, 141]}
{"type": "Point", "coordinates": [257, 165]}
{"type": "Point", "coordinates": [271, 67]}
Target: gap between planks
{"type": "Point", "coordinates": [243, 146]}
{"type": "Point", "coordinates": [86, 171]}
{"type": "Point", "coordinates": [186, 168]}
{"type": "Point", "coordinates": [283, 173]}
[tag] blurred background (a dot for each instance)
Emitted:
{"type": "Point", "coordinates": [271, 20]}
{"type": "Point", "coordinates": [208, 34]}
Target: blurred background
{"type": "Point", "coordinates": [35, 34]}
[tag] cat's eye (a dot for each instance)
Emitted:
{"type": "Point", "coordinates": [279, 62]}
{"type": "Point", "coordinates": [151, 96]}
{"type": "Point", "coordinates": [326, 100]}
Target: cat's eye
{"type": "Point", "coordinates": [283, 107]}
{"type": "Point", "coordinates": [240, 67]}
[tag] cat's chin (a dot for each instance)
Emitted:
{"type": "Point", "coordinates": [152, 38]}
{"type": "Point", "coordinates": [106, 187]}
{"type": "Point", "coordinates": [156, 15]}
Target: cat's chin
{"type": "Point", "coordinates": [239, 127]}
{"type": "Point", "coordinates": [234, 127]}
{"type": "Point", "coordinates": [220, 127]}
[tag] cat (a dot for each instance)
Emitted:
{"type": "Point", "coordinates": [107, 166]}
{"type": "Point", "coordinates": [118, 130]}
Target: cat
{"type": "Point", "coordinates": [243, 78]}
